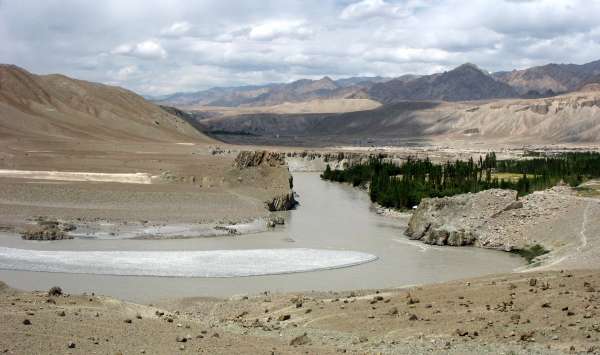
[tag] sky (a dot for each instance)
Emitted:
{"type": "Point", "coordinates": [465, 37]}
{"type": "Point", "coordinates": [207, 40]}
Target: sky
{"type": "Point", "coordinates": [158, 47]}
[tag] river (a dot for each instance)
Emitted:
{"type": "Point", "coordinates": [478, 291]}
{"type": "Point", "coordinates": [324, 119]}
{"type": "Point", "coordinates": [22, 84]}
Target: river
{"type": "Point", "coordinates": [330, 217]}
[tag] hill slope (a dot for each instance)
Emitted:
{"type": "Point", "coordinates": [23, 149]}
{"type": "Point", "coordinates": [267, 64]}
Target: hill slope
{"type": "Point", "coordinates": [58, 107]}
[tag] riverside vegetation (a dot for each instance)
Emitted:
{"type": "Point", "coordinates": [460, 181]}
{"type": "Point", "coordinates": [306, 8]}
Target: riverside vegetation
{"type": "Point", "coordinates": [403, 186]}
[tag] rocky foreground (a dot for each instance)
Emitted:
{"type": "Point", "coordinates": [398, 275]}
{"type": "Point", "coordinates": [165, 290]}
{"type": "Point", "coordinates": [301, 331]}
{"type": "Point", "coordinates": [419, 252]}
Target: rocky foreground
{"type": "Point", "coordinates": [538, 313]}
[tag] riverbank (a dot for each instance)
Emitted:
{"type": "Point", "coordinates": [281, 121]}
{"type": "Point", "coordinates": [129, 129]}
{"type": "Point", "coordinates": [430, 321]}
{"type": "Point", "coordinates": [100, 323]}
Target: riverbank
{"type": "Point", "coordinates": [533, 313]}
{"type": "Point", "coordinates": [137, 190]}
{"type": "Point", "coordinates": [330, 217]}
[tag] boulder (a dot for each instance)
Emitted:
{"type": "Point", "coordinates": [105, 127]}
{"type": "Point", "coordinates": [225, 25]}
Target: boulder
{"type": "Point", "coordinates": [282, 202]}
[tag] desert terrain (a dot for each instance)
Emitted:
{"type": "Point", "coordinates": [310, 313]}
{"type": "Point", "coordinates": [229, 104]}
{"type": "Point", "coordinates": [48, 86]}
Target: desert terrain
{"type": "Point", "coordinates": [103, 167]}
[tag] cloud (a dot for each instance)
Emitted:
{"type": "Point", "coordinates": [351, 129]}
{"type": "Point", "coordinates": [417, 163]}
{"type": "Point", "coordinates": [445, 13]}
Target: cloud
{"type": "Point", "coordinates": [268, 31]}
{"type": "Point", "coordinates": [377, 8]}
{"type": "Point", "coordinates": [160, 46]}
{"type": "Point", "coordinates": [177, 29]}
{"type": "Point", "coordinates": [145, 50]}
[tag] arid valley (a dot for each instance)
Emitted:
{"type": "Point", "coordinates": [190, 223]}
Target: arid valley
{"type": "Point", "coordinates": [416, 206]}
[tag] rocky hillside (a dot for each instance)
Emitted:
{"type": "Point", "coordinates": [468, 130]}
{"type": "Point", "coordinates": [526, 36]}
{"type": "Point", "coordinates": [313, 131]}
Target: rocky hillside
{"type": "Point", "coordinates": [58, 107]}
{"type": "Point", "coordinates": [552, 77]}
{"type": "Point", "coordinates": [573, 117]}
{"type": "Point", "coordinates": [466, 82]}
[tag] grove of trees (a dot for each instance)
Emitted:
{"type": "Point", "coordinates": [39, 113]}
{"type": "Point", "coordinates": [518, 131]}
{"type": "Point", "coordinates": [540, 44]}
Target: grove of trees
{"type": "Point", "coordinates": [403, 186]}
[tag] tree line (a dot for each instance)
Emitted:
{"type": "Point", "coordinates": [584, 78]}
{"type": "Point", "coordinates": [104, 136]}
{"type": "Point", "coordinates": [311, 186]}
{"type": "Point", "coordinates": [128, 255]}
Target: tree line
{"type": "Point", "coordinates": [403, 186]}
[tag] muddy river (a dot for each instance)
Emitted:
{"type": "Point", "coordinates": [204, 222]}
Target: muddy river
{"type": "Point", "coordinates": [335, 231]}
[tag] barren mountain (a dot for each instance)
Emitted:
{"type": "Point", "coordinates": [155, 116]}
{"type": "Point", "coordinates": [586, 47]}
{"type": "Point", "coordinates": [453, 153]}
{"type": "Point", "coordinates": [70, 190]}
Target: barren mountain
{"type": "Point", "coordinates": [555, 77]}
{"type": "Point", "coordinates": [466, 82]}
{"type": "Point", "coordinates": [573, 117]}
{"type": "Point", "coordinates": [274, 94]}
{"type": "Point", "coordinates": [55, 106]}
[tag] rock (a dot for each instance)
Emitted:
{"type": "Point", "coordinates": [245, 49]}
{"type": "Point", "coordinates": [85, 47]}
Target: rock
{"type": "Point", "coordinates": [393, 311]}
{"type": "Point", "coordinates": [457, 220]}
{"type": "Point", "coordinates": [180, 339]}
{"type": "Point", "coordinates": [513, 206]}
{"type": "Point", "coordinates": [247, 159]}
{"type": "Point", "coordinates": [461, 332]}
{"type": "Point", "coordinates": [300, 340]}
{"type": "Point", "coordinates": [55, 291]}
{"type": "Point", "coordinates": [284, 317]}
{"type": "Point", "coordinates": [413, 317]}
{"type": "Point", "coordinates": [26, 322]}
{"type": "Point", "coordinates": [45, 231]}
{"type": "Point", "coordinates": [283, 202]}
{"type": "Point", "coordinates": [128, 321]}
{"type": "Point", "coordinates": [532, 282]}
{"type": "Point", "coordinates": [71, 345]}
{"type": "Point", "coordinates": [62, 314]}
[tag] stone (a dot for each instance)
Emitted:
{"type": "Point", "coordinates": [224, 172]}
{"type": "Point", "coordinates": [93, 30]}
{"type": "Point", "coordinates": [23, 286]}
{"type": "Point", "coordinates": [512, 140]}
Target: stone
{"type": "Point", "coordinates": [284, 317]}
{"type": "Point", "coordinates": [71, 345]}
{"type": "Point", "coordinates": [180, 339]}
{"type": "Point", "coordinates": [26, 322]}
{"type": "Point", "coordinates": [461, 332]}
{"type": "Point", "coordinates": [300, 340]}
{"type": "Point", "coordinates": [55, 291]}
{"type": "Point", "coordinates": [413, 317]}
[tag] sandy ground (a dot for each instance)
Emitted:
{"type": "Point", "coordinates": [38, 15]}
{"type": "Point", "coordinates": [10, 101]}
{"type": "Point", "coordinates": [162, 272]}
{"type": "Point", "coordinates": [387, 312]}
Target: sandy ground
{"type": "Point", "coordinates": [538, 313]}
{"type": "Point", "coordinates": [188, 184]}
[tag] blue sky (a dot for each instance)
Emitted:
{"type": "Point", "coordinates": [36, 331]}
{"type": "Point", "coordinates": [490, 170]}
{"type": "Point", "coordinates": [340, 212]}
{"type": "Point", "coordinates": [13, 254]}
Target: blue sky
{"type": "Point", "coordinates": [157, 47]}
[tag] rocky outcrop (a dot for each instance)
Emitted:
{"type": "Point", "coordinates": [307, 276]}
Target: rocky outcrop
{"type": "Point", "coordinates": [457, 220]}
{"type": "Point", "coordinates": [282, 202]}
{"type": "Point", "coordinates": [48, 230]}
{"type": "Point", "coordinates": [247, 159]}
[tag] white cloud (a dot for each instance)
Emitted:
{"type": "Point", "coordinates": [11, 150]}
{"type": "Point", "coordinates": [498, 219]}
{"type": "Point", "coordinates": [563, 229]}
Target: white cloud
{"type": "Point", "coordinates": [224, 43]}
{"type": "Point", "coordinates": [127, 72]}
{"type": "Point", "coordinates": [149, 49]}
{"type": "Point", "coordinates": [377, 8]}
{"type": "Point", "coordinates": [268, 31]}
{"type": "Point", "coordinates": [176, 29]}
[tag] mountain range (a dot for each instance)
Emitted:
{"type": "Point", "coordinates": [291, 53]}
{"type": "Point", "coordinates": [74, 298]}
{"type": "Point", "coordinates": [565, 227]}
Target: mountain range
{"type": "Point", "coordinates": [464, 83]}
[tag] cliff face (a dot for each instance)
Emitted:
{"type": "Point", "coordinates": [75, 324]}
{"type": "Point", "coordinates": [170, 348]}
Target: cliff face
{"type": "Point", "coordinates": [271, 164]}
{"type": "Point", "coordinates": [457, 220]}
{"type": "Point", "coordinates": [247, 159]}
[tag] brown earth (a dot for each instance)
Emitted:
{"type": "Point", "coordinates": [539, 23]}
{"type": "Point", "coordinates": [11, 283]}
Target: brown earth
{"type": "Point", "coordinates": [538, 313]}
{"type": "Point", "coordinates": [55, 123]}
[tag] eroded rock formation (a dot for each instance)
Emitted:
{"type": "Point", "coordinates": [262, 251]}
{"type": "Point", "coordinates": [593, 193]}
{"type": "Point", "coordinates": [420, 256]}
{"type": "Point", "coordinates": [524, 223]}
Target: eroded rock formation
{"type": "Point", "coordinates": [457, 220]}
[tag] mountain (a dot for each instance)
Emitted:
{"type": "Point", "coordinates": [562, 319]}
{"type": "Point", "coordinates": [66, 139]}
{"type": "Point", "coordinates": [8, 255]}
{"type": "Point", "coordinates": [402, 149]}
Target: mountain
{"type": "Point", "coordinates": [58, 107]}
{"type": "Point", "coordinates": [363, 80]}
{"type": "Point", "coordinates": [573, 117]}
{"type": "Point", "coordinates": [466, 82]}
{"type": "Point", "coordinates": [273, 94]}
{"type": "Point", "coordinates": [555, 77]}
